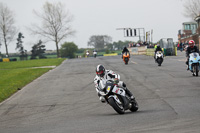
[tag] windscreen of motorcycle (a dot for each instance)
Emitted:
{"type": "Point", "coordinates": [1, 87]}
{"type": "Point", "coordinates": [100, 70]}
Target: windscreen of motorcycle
{"type": "Point", "coordinates": [194, 55]}
{"type": "Point", "coordinates": [159, 54]}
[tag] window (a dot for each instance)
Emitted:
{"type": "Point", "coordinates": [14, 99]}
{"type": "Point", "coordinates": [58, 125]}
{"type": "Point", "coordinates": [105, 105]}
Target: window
{"type": "Point", "coordinates": [193, 28]}
{"type": "Point", "coordinates": [187, 27]}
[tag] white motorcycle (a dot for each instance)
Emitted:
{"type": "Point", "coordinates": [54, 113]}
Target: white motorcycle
{"type": "Point", "coordinates": [95, 54]}
{"type": "Point", "coordinates": [117, 97]}
{"type": "Point", "coordinates": [87, 54]}
{"type": "Point", "coordinates": [159, 57]}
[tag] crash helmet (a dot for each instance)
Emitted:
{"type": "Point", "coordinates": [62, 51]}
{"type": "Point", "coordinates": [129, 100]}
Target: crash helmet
{"type": "Point", "coordinates": [191, 43]}
{"type": "Point", "coordinates": [125, 48]}
{"type": "Point", "coordinates": [100, 70]}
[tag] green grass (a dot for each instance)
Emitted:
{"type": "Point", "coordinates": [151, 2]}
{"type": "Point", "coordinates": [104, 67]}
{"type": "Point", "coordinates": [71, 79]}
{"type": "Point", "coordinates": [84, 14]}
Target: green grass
{"type": "Point", "coordinates": [48, 56]}
{"type": "Point", "coordinates": [51, 56]}
{"type": "Point", "coordinates": [31, 63]}
{"type": "Point", "coordinates": [14, 75]}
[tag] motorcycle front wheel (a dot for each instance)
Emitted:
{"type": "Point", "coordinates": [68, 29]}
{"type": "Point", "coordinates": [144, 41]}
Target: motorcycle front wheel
{"type": "Point", "coordinates": [116, 106]}
{"type": "Point", "coordinates": [196, 68]}
{"type": "Point", "coordinates": [159, 62]}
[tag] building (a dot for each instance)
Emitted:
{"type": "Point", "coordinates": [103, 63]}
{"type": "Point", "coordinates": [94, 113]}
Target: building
{"type": "Point", "coordinates": [190, 31]}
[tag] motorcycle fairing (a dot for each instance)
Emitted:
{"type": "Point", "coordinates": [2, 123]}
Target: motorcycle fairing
{"type": "Point", "coordinates": [194, 59]}
{"type": "Point", "coordinates": [118, 90]}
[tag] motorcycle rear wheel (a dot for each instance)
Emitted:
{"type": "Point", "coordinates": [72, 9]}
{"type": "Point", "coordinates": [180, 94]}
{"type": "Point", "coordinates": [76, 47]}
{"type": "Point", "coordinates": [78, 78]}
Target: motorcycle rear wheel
{"type": "Point", "coordinates": [134, 107]}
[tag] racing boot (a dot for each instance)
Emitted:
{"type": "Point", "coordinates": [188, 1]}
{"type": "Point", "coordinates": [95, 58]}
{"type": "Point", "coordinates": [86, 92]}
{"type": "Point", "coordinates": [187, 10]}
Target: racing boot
{"type": "Point", "coordinates": [187, 63]}
{"type": "Point", "coordinates": [129, 94]}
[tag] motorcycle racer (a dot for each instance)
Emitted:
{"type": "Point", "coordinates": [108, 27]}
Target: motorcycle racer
{"type": "Point", "coordinates": [103, 74]}
{"type": "Point", "coordinates": [190, 49]}
{"type": "Point", "coordinates": [125, 50]}
{"type": "Point", "coordinates": [158, 48]}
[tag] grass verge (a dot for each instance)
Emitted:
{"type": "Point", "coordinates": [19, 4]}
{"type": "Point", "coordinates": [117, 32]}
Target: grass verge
{"type": "Point", "coordinates": [14, 75]}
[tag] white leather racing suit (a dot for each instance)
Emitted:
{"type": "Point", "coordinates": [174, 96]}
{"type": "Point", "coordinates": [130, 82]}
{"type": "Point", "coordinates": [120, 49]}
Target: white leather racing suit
{"type": "Point", "coordinates": [109, 75]}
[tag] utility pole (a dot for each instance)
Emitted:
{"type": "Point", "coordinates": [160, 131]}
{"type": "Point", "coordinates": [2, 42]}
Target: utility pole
{"type": "Point", "coordinates": [139, 36]}
{"type": "Point", "coordinates": [152, 35]}
{"type": "Point", "coordinates": [148, 39]}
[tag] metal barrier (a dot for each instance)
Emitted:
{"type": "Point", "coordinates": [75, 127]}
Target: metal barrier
{"type": "Point", "coordinates": [138, 50]}
{"type": "Point", "coordinates": [151, 51]}
{"type": "Point", "coordinates": [113, 54]}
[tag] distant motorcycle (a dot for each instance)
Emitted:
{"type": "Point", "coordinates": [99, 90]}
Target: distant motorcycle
{"type": "Point", "coordinates": [194, 61]}
{"type": "Point", "coordinates": [117, 97]}
{"type": "Point", "coordinates": [95, 54]}
{"type": "Point", "coordinates": [159, 57]}
{"type": "Point", "coordinates": [87, 54]}
{"type": "Point", "coordinates": [126, 57]}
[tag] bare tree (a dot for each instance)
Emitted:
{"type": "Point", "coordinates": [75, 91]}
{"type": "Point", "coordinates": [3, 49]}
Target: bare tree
{"type": "Point", "coordinates": [192, 8]}
{"type": "Point", "coordinates": [7, 28]}
{"type": "Point", "coordinates": [55, 23]}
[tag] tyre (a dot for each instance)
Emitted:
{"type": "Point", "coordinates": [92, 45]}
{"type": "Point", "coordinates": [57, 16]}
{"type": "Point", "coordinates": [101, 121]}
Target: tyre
{"type": "Point", "coordinates": [126, 61]}
{"type": "Point", "coordinates": [134, 107]}
{"type": "Point", "coordinates": [116, 106]}
{"type": "Point", "coordinates": [197, 69]}
{"type": "Point", "coordinates": [194, 70]}
{"type": "Point", "coordinates": [159, 62]}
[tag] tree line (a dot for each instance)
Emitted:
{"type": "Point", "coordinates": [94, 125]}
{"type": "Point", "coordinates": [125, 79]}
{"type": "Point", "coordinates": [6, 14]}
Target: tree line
{"type": "Point", "coordinates": [105, 42]}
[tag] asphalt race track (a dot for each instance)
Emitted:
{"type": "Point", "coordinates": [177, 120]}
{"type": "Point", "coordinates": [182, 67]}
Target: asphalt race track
{"type": "Point", "coordinates": [64, 100]}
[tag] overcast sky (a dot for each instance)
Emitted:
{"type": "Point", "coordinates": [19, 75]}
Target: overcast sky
{"type": "Point", "coordinates": [103, 17]}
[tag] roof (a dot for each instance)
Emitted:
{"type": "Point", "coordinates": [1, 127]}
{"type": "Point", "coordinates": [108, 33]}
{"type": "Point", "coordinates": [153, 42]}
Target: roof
{"type": "Point", "coordinates": [189, 23]}
{"type": "Point", "coordinates": [197, 18]}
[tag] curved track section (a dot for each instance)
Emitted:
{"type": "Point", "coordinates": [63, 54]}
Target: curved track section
{"type": "Point", "coordinates": [64, 100]}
